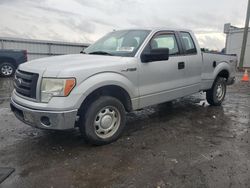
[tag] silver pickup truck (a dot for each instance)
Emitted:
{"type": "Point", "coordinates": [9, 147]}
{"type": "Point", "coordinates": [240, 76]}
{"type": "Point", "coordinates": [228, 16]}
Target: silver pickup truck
{"type": "Point", "coordinates": [124, 71]}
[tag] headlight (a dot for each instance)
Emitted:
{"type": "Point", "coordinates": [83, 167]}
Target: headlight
{"type": "Point", "coordinates": [56, 87]}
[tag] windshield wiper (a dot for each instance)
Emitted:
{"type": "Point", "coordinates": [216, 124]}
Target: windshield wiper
{"type": "Point", "coordinates": [100, 53]}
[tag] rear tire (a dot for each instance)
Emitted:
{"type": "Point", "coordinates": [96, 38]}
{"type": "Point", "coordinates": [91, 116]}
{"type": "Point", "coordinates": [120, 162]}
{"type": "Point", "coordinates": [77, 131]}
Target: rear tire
{"type": "Point", "coordinates": [216, 94]}
{"type": "Point", "coordinates": [7, 69]}
{"type": "Point", "coordinates": [103, 121]}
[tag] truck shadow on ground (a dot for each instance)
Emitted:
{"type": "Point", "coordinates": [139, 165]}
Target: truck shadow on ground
{"type": "Point", "coordinates": [186, 116]}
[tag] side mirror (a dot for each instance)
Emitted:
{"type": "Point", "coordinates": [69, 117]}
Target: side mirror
{"type": "Point", "coordinates": [159, 54]}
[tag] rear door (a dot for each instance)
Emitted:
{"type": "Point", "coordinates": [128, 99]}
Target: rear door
{"type": "Point", "coordinates": [193, 62]}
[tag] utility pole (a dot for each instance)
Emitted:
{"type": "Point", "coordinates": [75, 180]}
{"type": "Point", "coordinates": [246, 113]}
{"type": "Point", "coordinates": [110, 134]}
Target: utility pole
{"type": "Point", "coordinates": [244, 43]}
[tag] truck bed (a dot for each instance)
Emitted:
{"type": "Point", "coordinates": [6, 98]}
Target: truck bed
{"type": "Point", "coordinates": [213, 62]}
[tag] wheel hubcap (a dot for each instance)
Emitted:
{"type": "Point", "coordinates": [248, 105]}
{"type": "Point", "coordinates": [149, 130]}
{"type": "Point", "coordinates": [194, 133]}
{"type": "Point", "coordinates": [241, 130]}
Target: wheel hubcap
{"type": "Point", "coordinates": [7, 70]}
{"type": "Point", "coordinates": [220, 92]}
{"type": "Point", "coordinates": [107, 122]}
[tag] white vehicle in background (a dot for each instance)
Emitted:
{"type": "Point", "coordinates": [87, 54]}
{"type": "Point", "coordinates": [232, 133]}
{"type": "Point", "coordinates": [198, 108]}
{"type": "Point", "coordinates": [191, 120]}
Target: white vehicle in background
{"type": "Point", "coordinates": [123, 71]}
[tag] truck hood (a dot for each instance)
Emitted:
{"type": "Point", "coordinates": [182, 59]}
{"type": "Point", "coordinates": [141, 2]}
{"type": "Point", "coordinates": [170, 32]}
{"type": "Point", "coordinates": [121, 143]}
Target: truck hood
{"type": "Point", "coordinates": [53, 66]}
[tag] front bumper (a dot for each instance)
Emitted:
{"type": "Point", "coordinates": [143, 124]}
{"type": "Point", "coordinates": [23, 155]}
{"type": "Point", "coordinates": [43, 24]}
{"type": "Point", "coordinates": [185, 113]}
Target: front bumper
{"type": "Point", "coordinates": [55, 120]}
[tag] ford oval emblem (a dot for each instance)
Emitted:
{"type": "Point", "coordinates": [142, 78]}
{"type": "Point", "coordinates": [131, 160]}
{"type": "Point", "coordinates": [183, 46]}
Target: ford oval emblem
{"type": "Point", "coordinates": [19, 81]}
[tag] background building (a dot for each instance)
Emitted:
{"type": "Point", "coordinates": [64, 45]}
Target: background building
{"type": "Point", "coordinates": [41, 48]}
{"type": "Point", "coordinates": [234, 42]}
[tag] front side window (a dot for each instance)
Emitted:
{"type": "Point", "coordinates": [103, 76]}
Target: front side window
{"type": "Point", "coordinates": [165, 41]}
{"type": "Point", "coordinates": [119, 43]}
{"type": "Point", "coordinates": [188, 43]}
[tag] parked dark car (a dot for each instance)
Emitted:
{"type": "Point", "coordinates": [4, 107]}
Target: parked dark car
{"type": "Point", "coordinates": [9, 61]}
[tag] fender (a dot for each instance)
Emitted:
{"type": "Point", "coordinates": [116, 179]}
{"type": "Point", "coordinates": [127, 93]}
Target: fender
{"type": "Point", "coordinates": [98, 80]}
{"type": "Point", "coordinates": [220, 67]}
{"type": "Point", "coordinates": [8, 59]}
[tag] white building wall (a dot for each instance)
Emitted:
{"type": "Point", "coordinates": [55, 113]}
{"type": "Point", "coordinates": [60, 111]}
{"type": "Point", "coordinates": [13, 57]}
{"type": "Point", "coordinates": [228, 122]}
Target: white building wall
{"type": "Point", "coordinates": [39, 48]}
{"type": "Point", "coordinates": [234, 43]}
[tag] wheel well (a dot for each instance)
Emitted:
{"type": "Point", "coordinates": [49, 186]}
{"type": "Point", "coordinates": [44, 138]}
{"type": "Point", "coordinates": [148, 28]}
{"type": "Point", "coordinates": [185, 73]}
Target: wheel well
{"type": "Point", "coordinates": [223, 74]}
{"type": "Point", "coordinates": [112, 90]}
{"type": "Point", "coordinates": [9, 60]}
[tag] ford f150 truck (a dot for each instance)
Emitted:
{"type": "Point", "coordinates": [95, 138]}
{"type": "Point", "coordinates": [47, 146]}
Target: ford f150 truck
{"type": "Point", "coordinates": [9, 61]}
{"type": "Point", "coordinates": [124, 71]}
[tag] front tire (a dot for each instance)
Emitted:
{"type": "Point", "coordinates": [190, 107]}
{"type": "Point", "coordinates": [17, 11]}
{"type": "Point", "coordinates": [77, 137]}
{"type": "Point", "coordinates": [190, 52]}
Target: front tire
{"type": "Point", "coordinates": [216, 94]}
{"type": "Point", "coordinates": [103, 121]}
{"type": "Point", "coordinates": [7, 69]}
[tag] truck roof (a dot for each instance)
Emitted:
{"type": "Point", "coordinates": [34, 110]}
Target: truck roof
{"type": "Point", "coordinates": [11, 50]}
{"type": "Point", "coordinates": [155, 29]}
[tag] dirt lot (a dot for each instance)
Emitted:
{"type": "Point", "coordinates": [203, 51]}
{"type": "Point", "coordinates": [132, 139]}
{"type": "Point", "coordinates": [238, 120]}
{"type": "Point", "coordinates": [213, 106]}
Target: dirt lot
{"type": "Point", "coordinates": [186, 144]}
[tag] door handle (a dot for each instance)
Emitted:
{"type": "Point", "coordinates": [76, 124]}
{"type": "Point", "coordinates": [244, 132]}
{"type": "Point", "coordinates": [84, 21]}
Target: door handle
{"type": "Point", "coordinates": [181, 65]}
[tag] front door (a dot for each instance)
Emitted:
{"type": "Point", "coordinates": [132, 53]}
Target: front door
{"type": "Point", "coordinates": [161, 81]}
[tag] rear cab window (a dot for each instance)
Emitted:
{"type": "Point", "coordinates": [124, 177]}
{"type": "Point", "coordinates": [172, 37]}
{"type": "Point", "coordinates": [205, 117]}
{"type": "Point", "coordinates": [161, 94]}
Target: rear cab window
{"type": "Point", "coordinates": [188, 43]}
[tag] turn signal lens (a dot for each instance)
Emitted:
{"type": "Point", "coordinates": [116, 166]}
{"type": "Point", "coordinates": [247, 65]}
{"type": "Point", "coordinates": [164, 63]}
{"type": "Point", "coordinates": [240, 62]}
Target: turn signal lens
{"type": "Point", "coordinates": [69, 85]}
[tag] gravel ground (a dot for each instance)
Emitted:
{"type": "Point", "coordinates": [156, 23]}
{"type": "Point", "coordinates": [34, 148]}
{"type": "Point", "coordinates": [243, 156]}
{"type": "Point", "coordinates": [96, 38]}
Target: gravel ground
{"type": "Point", "coordinates": [184, 144]}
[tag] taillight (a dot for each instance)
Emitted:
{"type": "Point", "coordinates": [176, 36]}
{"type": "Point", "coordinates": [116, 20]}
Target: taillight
{"type": "Point", "coordinates": [26, 55]}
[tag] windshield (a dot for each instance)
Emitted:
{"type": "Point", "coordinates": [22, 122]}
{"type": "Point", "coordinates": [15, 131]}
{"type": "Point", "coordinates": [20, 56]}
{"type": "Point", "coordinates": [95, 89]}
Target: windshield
{"type": "Point", "coordinates": [123, 43]}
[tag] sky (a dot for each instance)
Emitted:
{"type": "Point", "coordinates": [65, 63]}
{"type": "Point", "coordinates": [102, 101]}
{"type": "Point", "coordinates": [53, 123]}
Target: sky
{"type": "Point", "coordinates": [85, 21]}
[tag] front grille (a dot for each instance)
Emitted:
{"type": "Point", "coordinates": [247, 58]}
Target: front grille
{"type": "Point", "coordinates": [25, 83]}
